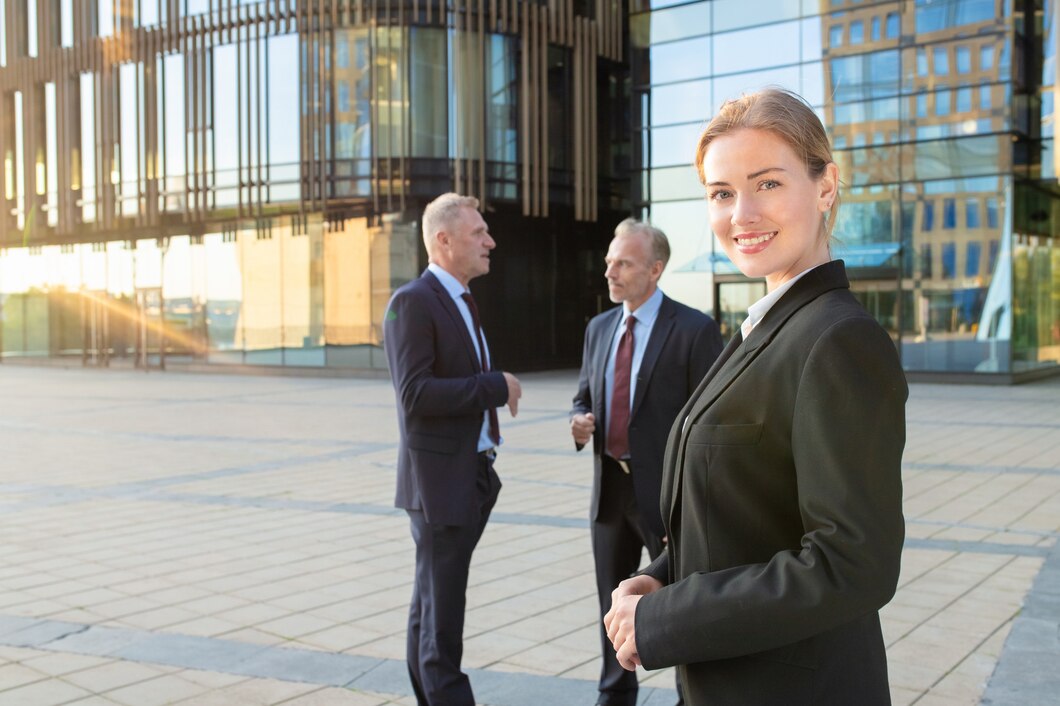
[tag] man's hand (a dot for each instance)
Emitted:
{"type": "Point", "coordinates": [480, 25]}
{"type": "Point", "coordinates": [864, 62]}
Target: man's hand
{"type": "Point", "coordinates": [582, 427]}
{"type": "Point", "coordinates": [620, 621]}
{"type": "Point", "coordinates": [515, 391]}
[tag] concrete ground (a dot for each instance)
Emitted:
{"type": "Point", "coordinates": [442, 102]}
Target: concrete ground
{"type": "Point", "coordinates": [216, 539]}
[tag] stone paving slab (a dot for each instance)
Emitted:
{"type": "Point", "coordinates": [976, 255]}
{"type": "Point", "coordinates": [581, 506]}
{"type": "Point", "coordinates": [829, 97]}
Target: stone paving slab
{"type": "Point", "coordinates": [221, 539]}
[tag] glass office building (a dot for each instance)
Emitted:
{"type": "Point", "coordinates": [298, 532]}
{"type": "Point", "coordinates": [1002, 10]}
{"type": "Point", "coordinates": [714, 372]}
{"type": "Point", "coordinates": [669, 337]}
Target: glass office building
{"type": "Point", "coordinates": [219, 182]}
{"type": "Point", "coordinates": [941, 115]}
{"type": "Point", "coordinates": [231, 182]}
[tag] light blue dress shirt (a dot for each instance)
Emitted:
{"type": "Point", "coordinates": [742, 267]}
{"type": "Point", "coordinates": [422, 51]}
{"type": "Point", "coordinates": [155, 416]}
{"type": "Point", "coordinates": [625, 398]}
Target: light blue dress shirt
{"type": "Point", "coordinates": [456, 290]}
{"type": "Point", "coordinates": [646, 314]}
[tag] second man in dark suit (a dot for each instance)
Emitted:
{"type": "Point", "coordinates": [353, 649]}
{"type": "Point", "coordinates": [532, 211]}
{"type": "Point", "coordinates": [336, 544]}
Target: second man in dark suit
{"type": "Point", "coordinates": [640, 364]}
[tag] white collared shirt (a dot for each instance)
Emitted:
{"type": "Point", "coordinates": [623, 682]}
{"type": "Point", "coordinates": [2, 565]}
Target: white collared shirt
{"type": "Point", "coordinates": [757, 311]}
{"type": "Point", "coordinates": [456, 291]}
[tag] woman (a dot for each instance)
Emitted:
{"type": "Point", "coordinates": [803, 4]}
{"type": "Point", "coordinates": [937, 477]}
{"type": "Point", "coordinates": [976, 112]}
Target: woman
{"type": "Point", "coordinates": [782, 481]}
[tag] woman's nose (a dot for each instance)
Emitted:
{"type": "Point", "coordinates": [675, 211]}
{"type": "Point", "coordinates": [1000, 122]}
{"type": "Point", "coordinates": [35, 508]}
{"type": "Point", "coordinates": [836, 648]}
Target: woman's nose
{"type": "Point", "coordinates": [745, 211]}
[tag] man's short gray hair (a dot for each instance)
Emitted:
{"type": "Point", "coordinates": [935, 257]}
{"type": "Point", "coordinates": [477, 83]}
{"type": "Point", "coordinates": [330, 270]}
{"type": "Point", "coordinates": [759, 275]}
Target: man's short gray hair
{"type": "Point", "coordinates": [660, 246]}
{"type": "Point", "coordinates": [442, 213]}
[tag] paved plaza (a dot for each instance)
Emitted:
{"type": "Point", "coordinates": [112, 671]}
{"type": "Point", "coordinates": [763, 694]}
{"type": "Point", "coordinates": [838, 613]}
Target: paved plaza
{"type": "Point", "coordinates": [217, 539]}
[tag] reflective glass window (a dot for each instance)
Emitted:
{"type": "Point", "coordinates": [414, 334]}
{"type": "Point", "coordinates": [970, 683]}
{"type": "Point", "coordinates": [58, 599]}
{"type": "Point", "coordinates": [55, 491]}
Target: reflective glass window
{"type": "Point", "coordinates": [90, 147]}
{"type": "Point", "coordinates": [811, 85]}
{"type": "Point", "coordinates": [812, 43]}
{"type": "Point", "coordinates": [105, 18]}
{"type": "Point", "coordinates": [894, 27]}
{"type": "Point", "coordinates": [352, 139]}
{"type": "Point", "coordinates": [171, 113]}
{"type": "Point", "coordinates": [670, 24]}
{"type": "Point", "coordinates": [732, 86]}
{"type": "Point", "coordinates": [66, 23]}
{"type": "Point", "coordinates": [985, 97]}
{"type": "Point", "coordinates": [679, 61]}
{"type": "Point", "coordinates": [835, 36]}
{"type": "Point", "coordinates": [51, 180]}
{"type": "Point", "coordinates": [675, 183]}
{"type": "Point", "coordinates": [964, 58]}
{"type": "Point", "coordinates": [964, 100]}
{"type": "Point", "coordinates": [925, 261]}
{"type": "Point", "coordinates": [971, 213]}
{"type": "Point", "coordinates": [283, 118]}
{"type": "Point", "coordinates": [964, 157]}
{"type": "Point", "coordinates": [674, 145]}
{"type": "Point", "coordinates": [502, 90]}
{"type": "Point", "coordinates": [680, 102]}
{"type": "Point", "coordinates": [921, 105]}
{"type": "Point", "coordinates": [149, 13]}
{"type": "Point", "coordinates": [742, 50]}
{"type": "Point", "coordinates": [942, 102]}
{"type": "Point", "coordinates": [992, 213]}
{"type": "Point", "coordinates": [972, 254]}
{"type": "Point", "coordinates": [733, 14]}
{"type": "Point", "coordinates": [927, 216]}
{"type": "Point", "coordinates": [195, 7]}
{"type": "Point", "coordinates": [865, 76]}
{"type": "Point", "coordinates": [986, 57]}
{"type": "Point", "coordinates": [857, 32]}
{"type": "Point", "coordinates": [949, 260]}
{"type": "Point", "coordinates": [937, 15]}
{"type": "Point", "coordinates": [31, 27]}
{"type": "Point", "coordinates": [227, 90]}
{"type": "Point", "coordinates": [949, 214]}
{"type": "Point", "coordinates": [994, 249]}
{"type": "Point", "coordinates": [129, 76]}
{"type": "Point", "coordinates": [942, 61]}
{"type": "Point", "coordinates": [921, 61]}
{"type": "Point", "coordinates": [875, 29]}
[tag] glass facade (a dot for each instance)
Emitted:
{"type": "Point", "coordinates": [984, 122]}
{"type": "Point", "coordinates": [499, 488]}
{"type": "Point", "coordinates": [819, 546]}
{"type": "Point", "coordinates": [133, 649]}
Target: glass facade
{"type": "Point", "coordinates": [240, 181]}
{"type": "Point", "coordinates": [941, 116]}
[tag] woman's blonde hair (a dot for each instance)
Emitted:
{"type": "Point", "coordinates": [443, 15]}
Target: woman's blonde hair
{"type": "Point", "coordinates": [786, 115]}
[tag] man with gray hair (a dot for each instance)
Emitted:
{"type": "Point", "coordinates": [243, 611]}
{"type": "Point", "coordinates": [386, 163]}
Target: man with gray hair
{"type": "Point", "coordinates": [640, 364]}
{"type": "Point", "coordinates": [448, 390]}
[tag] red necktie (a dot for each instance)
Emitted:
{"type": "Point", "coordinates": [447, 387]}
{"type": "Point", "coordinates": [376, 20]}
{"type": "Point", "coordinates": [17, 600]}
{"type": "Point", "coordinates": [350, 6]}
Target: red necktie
{"type": "Point", "coordinates": [618, 419]}
{"type": "Point", "coordinates": [495, 427]}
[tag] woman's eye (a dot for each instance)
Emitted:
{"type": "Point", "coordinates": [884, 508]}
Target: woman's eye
{"type": "Point", "coordinates": [718, 195]}
{"type": "Point", "coordinates": [770, 184]}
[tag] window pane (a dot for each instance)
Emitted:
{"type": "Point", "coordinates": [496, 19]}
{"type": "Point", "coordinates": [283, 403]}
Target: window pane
{"type": "Point", "coordinates": [666, 25]}
{"type": "Point", "coordinates": [429, 100]}
{"type": "Point", "coordinates": [678, 61]}
{"type": "Point", "coordinates": [964, 59]}
{"type": "Point", "coordinates": [502, 121]}
{"type": "Point", "coordinates": [284, 138]}
{"type": "Point", "coordinates": [742, 50]}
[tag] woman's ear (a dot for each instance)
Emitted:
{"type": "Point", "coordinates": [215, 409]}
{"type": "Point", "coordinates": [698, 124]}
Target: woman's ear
{"type": "Point", "coordinates": [828, 187]}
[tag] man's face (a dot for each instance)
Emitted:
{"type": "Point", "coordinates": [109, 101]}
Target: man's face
{"type": "Point", "coordinates": [631, 271]}
{"type": "Point", "coordinates": [466, 245]}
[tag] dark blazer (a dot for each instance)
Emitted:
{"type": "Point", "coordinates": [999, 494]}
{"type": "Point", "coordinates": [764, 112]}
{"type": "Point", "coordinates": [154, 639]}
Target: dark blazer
{"type": "Point", "coordinates": [683, 345]}
{"type": "Point", "coordinates": [441, 393]}
{"type": "Point", "coordinates": [783, 500]}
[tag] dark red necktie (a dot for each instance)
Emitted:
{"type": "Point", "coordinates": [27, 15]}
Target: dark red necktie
{"type": "Point", "coordinates": [495, 427]}
{"type": "Point", "coordinates": [618, 418]}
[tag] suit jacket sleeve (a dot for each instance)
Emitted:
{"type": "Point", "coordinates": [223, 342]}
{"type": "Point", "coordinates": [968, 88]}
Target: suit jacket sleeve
{"type": "Point", "coordinates": [583, 399]}
{"type": "Point", "coordinates": [424, 389]}
{"type": "Point", "coordinates": [847, 438]}
{"type": "Point", "coordinates": [705, 350]}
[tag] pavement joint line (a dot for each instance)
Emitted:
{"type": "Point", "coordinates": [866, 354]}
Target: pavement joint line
{"type": "Point", "coordinates": [989, 425]}
{"type": "Point", "coordinates": [63, 495]}
{"type": "Point", "coordinates": [959, 468]}
{"type": "Point", "coordinates": [291, 664]}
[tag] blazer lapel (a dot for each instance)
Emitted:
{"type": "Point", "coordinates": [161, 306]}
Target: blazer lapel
{"type": "Point", "coordinates": [664, 324]}
{"type": "Point", "coordinates": [457, 318]}
{"type": "Point", "coordinates": [738, 354]}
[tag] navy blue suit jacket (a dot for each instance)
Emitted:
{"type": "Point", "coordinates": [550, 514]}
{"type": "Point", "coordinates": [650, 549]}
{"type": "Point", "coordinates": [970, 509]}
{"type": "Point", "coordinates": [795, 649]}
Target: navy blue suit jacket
{"type": "Point", "coordinates": [441, 395]}
{"type": "Point", "coordinates": [683, 345]}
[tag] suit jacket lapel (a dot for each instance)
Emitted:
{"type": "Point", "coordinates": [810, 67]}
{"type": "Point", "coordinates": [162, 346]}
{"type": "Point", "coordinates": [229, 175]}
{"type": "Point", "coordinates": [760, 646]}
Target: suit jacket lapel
{"type": "Point", "coordinates": [601, 349]}
{"type": "Point", "coordinates": [664, 323]}
{"type": "Point", "coordinates": [458, 323]}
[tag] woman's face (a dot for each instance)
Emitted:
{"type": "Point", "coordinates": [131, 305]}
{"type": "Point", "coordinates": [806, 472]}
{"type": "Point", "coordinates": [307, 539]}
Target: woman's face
{"type": "Point", "coordinates": [764, 207]}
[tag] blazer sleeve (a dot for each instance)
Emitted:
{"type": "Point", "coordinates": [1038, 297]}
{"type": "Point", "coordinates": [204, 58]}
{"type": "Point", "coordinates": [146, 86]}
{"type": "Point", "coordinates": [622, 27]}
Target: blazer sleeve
{"type": "Point", "coordinates": [848, 434]}
{"type": "Point", "coordinates": [410, 333]}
